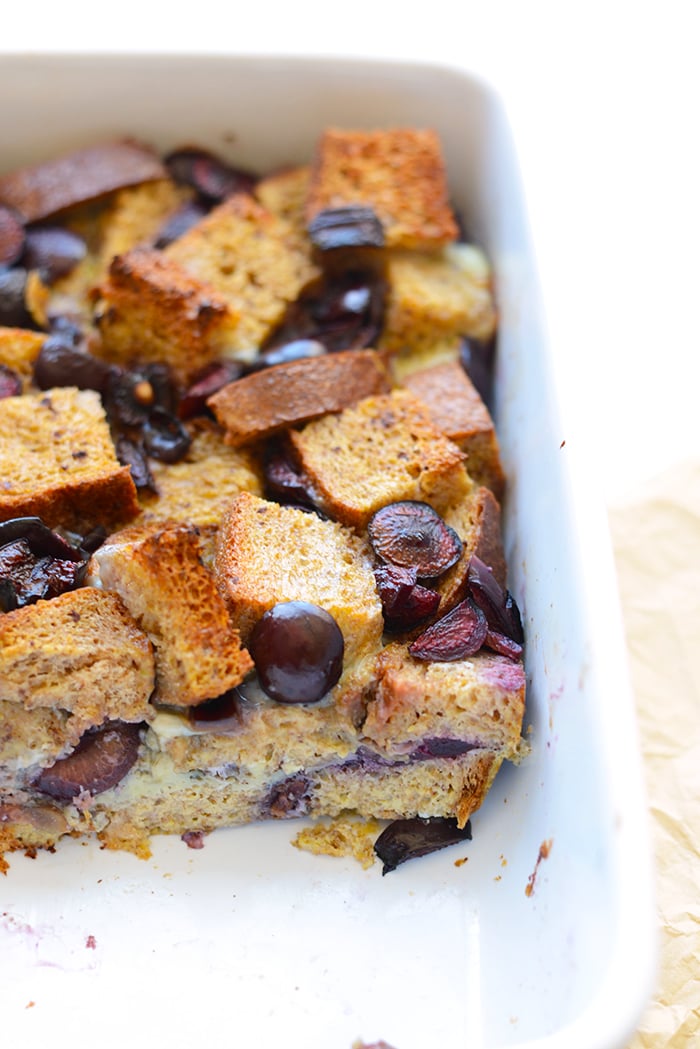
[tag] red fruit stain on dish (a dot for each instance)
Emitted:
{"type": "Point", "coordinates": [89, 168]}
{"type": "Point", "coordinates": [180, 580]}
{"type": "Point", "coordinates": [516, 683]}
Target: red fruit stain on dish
{"type": "Point", "coordinates": [545, 849]}
{"type": "Point", "coordinates": [90, 942]}
{"type": "Point", "coordinates": [193, 839]}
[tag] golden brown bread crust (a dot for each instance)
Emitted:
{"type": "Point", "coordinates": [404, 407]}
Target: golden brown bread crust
{"type": "Point", "coordinates": [79, 652]}
{"type": "Point", "coordinates": [274, 399]}
{"type": "Point", "coordinates": [458, 411]}
{"type": "Point", "coordinates": [172, 596]}
{"type": "Point", "coordinates": [398, 172]}
{"type": "Point", "coordinates": [57, 461]}
{"type": "Point", "coordinates": [42, 190]}
{"type": "Point", "coordinates": [383, 450]}
{"type": "Point", "coordinates": [151, 309]}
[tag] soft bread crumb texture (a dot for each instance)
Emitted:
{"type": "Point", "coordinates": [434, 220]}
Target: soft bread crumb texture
{"type": "Point", "coordinates": [341, 837]}
{"type": "Point", "coordinates": [57, 461]}
{"type": "Point", "coordinates": [80, 652]}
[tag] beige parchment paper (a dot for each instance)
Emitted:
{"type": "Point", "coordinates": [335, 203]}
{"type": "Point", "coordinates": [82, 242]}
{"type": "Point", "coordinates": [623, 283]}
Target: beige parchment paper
{"type": "Point", "coordinates": [656, 538]}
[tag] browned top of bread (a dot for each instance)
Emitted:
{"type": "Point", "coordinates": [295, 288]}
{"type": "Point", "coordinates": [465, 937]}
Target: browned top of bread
{"type": "Point", "coordinates": [398, 172]}
{"type": "Point", "coordinates": [254, 259]}
{"type": "Point", "coordinates": [152, 309]}
{"type": "Point", "coordinates": [274, 399]}
{"type": "Point", "coordinates": [81, 652]}
{"type": "Point", "coordinates": [41, 190]}
{"type": "Point", "coordinates": [456, 408]}
{"type": "Point", "coordinates": [57, 461]}
{"type": "Point", "coordinates": [173, 597]}
{"type": "Point", "coordinates": [382, 450]}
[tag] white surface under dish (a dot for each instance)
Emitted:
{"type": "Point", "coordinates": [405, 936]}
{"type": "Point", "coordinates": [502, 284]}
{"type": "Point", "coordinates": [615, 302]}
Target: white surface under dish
{"type": "Point", "coordinates": [543, 937]}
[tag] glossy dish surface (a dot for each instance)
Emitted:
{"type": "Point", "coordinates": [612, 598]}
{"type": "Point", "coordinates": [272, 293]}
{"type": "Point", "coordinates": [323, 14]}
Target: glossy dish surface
{"type": "Point", "coordinates": [541, 937]}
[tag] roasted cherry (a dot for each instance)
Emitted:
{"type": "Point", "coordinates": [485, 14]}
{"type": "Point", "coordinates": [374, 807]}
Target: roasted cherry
{"type": "Point", "coordinates": [298, 650]}
{"type": "Point", "coordinates": [211, 177]}
{"type": "Point", "coordinates": [349, 226]}
{"type": "Point", "coordinates": [60, 363]}
{"type": "Point", "coordinates": [405, 602]}
{"type": "Point", "coordinates": [413, 535]}
{"type": "Point", "coordinates": [11, 236]}
{"type": "Point", "coordinates": [101, 760]}
{"type": "Point", "coordinates": [165, 437]}
{"type": "Point", "coordinates": [459, 634]}
{"type": "Point", "coordinates": [407, 839]}
{"type": "Point", "coordinates": [53, 251]}
{"type": "Point", "coordinates": [10, 382]}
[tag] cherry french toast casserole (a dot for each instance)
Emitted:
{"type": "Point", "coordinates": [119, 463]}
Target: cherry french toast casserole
{"type": "Point", "coordinates": [251, 561]}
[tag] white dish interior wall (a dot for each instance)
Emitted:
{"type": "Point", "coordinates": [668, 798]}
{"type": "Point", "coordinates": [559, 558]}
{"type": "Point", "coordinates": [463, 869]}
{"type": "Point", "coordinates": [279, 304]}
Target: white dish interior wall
{"type": "Point", "coordinates": [250, 934]}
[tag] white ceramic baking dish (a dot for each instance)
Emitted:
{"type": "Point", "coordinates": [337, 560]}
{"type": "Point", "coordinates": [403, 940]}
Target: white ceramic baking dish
{"type": "Point", "coordinates": [543, 937]}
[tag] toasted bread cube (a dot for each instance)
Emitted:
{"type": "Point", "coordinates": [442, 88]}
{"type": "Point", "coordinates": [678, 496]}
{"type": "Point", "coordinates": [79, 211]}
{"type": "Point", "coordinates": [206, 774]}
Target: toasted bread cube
{"type": "Point", "coordinates": [274, 399]}
{"type": "Point", "coordinates": [383, 450]}
{"type": "Point", "coordinates": [172, 596]}
{"type": "Point", "coordinates": [19, 348]}
{"type": "Point", "coordinates": [399, 173]}
{"type": "Point", "coordinates": [80, 652]}
{"type": "Point", "coordinates": [255, 260]}
{"type": "Point", "coordinates": [432, 299]}
{"type": "Point", "coordinates": [57, 461]}
{"type": "Point", "coordinates": [457, 409]}
{"type": "Point", "coordinates": [196, 489]}
{"type": "Point", "coordinates": [269, 553]}
{"type": "Point", "coordinates": [136, 215]}
{"type": "Point", "coordinates": [151, 309]}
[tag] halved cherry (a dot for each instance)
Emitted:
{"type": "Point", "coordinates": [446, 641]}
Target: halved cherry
{"type": "Point", "coordinates": [412, 534]}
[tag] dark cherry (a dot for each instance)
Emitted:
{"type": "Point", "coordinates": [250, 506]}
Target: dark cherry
{"type": "Point", "coordinates": [288, 799]}
{"type": "Point", "coordinates": [132, 454]}
{"type": "Point", "coordinates": [349, 226]}
{"type": "Point", "coordinates": [298, 650]}
{"type": "Point", "coordinates": [411, 534]}
{"type": "Point", "coordinates": [295, 350]}
{"type": "Point", "coordinates": [13, 311]}
{"type": "Point", "coordinates": [36, 563]}
{"type": "Point", "coordinates": [438, 747]}
{"type": "Point", "coordinates": [165, 437]}
{"type": "Point", "coordinates": [10, 382]}
{"type": "Point", "coordinates": [284, 483]}
{"type": "Point", "coordinates": [221, 714]}
{"type": "Point", "coordinates": [477, 359]}
{"type": "Point", "coordinates": [101, 760]}
{"type": "Point", "coordinates": [211, 177]}
{"type": "Point", "coordinates": [53, 251]}
{"type": "Point", "coordinates": [61, 363]}
{"type": "Point", "coordinates": [407, 839]}
{"type": "Point", "coordinates": [497, 604]}
{"type": "Point", "coordinates": [505, 646]}
{"type": "Point", "coordinates": [11, 236]}
{"type": "Point", "coordinates": [208, 382]}
{"type": "Point", "coordinates": [459, 634]}
{"type": "Point", "coordinates": [180, 222]}
{"type": "Point", "coordinates": [405, 602]}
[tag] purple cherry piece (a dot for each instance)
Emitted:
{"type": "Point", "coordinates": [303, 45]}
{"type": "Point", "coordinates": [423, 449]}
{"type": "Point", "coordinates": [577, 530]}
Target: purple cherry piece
{"type": "Point", "coordinates": [497, 604]}
{"type": "Point", "coordinates": [10, 382]}
{"type": "Point", "coordinates": [458, 635]}
{"type": "Point", "coordinates": [101, 760]}
{"type": "Point", "coordinates": [412, 534]}
{"type": "Point", "coordinates": [408, 839]}
{"type": "Point", "coordinates": [349, 226]}
{"type": "Point", "coordinates": [211, 177]}
{"type": "Point", "coordinates": [53, 251]}
{"type": "Point", "coordinates": [298, 651]}
{"type": "Point", "coordinates": [404, 601]}
{"type": "Point", "coordinates": [208, 382]}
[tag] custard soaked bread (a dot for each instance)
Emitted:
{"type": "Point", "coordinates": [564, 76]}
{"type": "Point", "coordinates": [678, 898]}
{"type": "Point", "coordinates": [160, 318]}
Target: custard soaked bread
{"type": "Point", "coordinates": [251, 563]}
